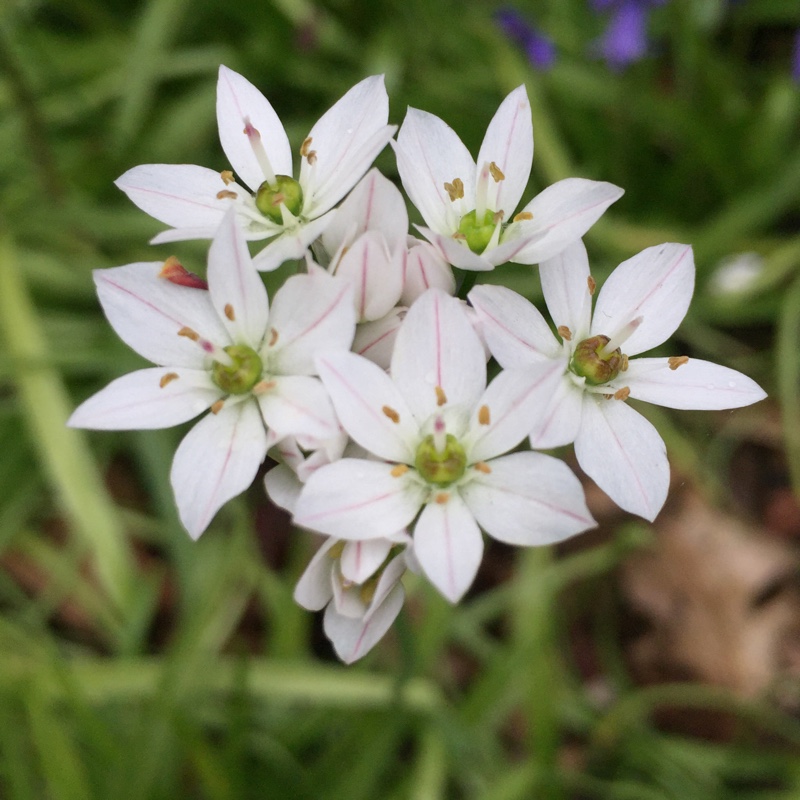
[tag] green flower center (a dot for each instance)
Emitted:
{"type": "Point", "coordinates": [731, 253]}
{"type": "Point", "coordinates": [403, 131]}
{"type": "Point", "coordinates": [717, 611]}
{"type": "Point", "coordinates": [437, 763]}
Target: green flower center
{"type": "Point", "coordinates": [477, 234]}
{"type": "Point", "coordinates": [590, 362]}
{"type": "Point", "coordinates": [285, 190]}
{"type": "Point", "coordinates": [241, 376]}
{"type": "Point", "coordinates": [440, 467]}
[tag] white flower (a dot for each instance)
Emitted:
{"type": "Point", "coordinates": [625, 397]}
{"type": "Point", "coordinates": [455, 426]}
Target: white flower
{"type": "Point", "coordinates": [639, 307]}
{"type": "Point", "coordinates": [358, 585]}
{"type": "Point", "coordinates": [290, 212]}
{"type": "Point", "coordinates": [468, 208]}
{"type": "Point", "coordinates": [439, 431]}
{"type": "Point", "coordinates": [226, 350]}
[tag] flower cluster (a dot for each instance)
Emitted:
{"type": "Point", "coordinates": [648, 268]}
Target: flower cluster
{"type": "Point", "coordinates": [366, 377]}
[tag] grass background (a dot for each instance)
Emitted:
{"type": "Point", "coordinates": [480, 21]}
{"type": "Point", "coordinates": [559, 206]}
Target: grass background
{"type": "Point", "coordinates": [136, 664]}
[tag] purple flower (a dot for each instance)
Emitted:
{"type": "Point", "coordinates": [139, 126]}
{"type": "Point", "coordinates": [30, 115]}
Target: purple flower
{"type": "Point", "coordinates": [539, 49]}
{"type": "Point", "coordinates": [625, 38]}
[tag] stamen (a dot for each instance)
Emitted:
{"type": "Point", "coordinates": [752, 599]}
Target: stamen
{"type": "Point", "coordinates": [260, 153]}
{"type": "Point", "coordinates": [189, 334]}
{"type": "Point", "coordinates": [226, 194]}
{"type": "Point", "coordinates": [306, 152]}
{"type": "Point", "coordinates": [624, 365]}
{"type": "Point", "coordinates": [227, 177]}
{"type": "Point", "coordinates": [522, 216]}
{"type": "Point", "coordinates": [262, 387]}
{"type": "Point", "coordinates": [677, 361]}
{"type": "Point", "coordinates": [484, 417]}
{"type": "Point", "coordinates": [441, 397]}
{"type": "Point", "coordinates": [455, 189]}
{"type": "Point", "coordinates": [176, 273]}
{"type": "Point", "coordinates": [483, 467]}
{"type": "Point", "coordinates": [229, 313]}
{"type": "Point", "coordinates": [621, 336]}
{"type": "Point", "coordinates": [497, 218]}
{"type": "Point", "coordinates": [622, 394]}
{"type": "Point", "coordinates": [273, 337]}
{"type": "Point", "coordinates": [482, 192]}
{"type": "Point", "coordinates": [398, 470]}
{"type": "Point", "coordinates": [565, 333]}
{"type": "Point", "coordinates": [217, 407]}
{"type": "Point", "coordinates": [592, 283]}
{"type": "Point", "coordinates": [168, 378]}
{"type": "Point", "coordinates": [496, 173]}
{"type": "Point", "coordinates": [392, 414]}
{"type": "Point", "coordinates": [459, 235]}
{"type": "Point", "coordinates": [442, 497]}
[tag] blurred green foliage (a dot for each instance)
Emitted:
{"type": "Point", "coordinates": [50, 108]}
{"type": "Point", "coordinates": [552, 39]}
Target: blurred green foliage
{"type": "Point", "coordinates": [137, 665]}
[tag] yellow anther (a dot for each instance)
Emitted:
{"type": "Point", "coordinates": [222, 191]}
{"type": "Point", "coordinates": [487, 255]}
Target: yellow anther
{"type": "Point", "coordinates": [522, 216]}
{"type": "Point", "coordinates": [484, 417]}
{"type": "Point", "coordinates": [170, 266]}
{"type": "Point", "coordinates": [623, 367]}
{"type": "Point", "coordinates": [217, 407]}
{"type": "Point", "coordinates": [565, 333]}
{"type": "Point", "coordinates": [306, 146]}
{"type": "Point", "coordinates": [622, 394]}
{"type": "Point", "coordinates": [226, 194]}
{"type": "Point", "coordinates": [592, 284]}
{"type": "Point", "coordinates": [227, 177]}
{"type": "Point", "coordinates": [441, 397]}
{"type": "Point", "coordinates": [442, 497]}
{"type": "Point", "coordinates": [483, 467]}
{"type": "Point", "coordinates": [263, 386]}
{"type": "Point", "coordinates": [189, 334]}
{"type": "Point", "coordinates": [168, 378]}
{"type": "Point", "coordinates": [455, 189]}
{"type": "Point", "coordinates": [496, 173]}
{"type": "Point", "coordinates": [312, 158]}
{"type": "Point", "coordinates": [497, 217]}
{"type": "Point", "coordinates": [229, 313]}
{"type": "Point", "coordinates": [677, 361]}
{"type": "Point", "coordinates": [391, 413]}
{"type": "Point", "coordinates": [460, 236]}
{"type": "Point", "coordinates": [273, 337]}
{"type": "Point", "coordinates": [398, 470]}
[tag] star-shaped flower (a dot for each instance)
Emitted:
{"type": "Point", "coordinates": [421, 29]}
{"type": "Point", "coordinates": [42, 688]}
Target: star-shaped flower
{"type": "Point", "coordinates": [271, 204]}
{"type": "Point", "coordinates": [469, 208]}
{"type": "Point", "coordinates": [438, 434]}
{"type": "Point", "coordinates": [226, 350]}
{"type": "Point", "coordinates": [639, 307]}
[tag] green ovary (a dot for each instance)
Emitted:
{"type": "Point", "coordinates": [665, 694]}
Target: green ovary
{"type": "Point", "coordinates": [444, 467]}
{"type": "Point", "coordinates": [477, 235]}
{"type": "Point", "coordinates": [286, 191]}
{"type": "Point", "coordinates": [587, 361]}
{"type": "Point", "coordinates": [241, 376]}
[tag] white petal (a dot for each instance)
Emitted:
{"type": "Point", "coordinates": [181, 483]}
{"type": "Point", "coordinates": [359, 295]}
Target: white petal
{"type": "Point", "coordinates": [357, 499]}
{"type": "Point", "coordinates": [438, 347]}
{"type": "Point", "coordinates": [139, 401]}
{"type": "Point", "coordinates": [375, 340]}
{"type": "Point", "coordinates": [430, 154]}
{"type": "Point", "coordinates": [560, 422]}
{"type": "Point", "coordinates": [374, 204]}
{"type": "Point", "coordinates": [186, 234]}
{"type": "Point", "coordinates": [180, 195]}
{"type": "Point", "coordinates": [509, 408]}
{"type": "Point", "coordinates": [565, 283]}
{"type": "Point", "coordinates": [361, 559]}
{"type": "Point", "coordinates": [236, 289]}
{"type": "Point", "coordinates": [696, 384]}
{"type": "Point", "coordinates": [310, 314]}
{"type": "Point", "coordinates": [509, 144]}
{"type": "Point", "coordinates": [238, 100]}
{"type": "Point", "coordinates": [370, 406]}
{"type": "Point", "coordinates": [217, 460]}
{"type": "Point", "coordinates": [624, 455]}
{"type": "Point", "coordinates": [283, 487]}
{"type": "Point", "coordinates": [564, 211]}
{"type": "Point", "coordinates": [514, 329]}
{"type": "Point", "coordinates": [298, 405]}
{"type": "Point", "coordinates": [423, 267]}
{"type": "Point", "coordinates": [528, 499]}
{"type": "Point", "coordinates": [148, 311]}
{"type": "Point", "coordinates": [657, 285]}
{"type": "Point", "coordinates": [456, 253]}
{"type": "Point", "coordinates": [376, 279]}
{"type": "Point", "coordinates": [313, 590]}
{"type": "Point", "coordinates": [354, 638]}
{"type": "Point", "coordinates": [346, 140]}
{"type": "Point", "coordinates": [292, 244]}
{"type": "Point", "coordinates": [448, 545]}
